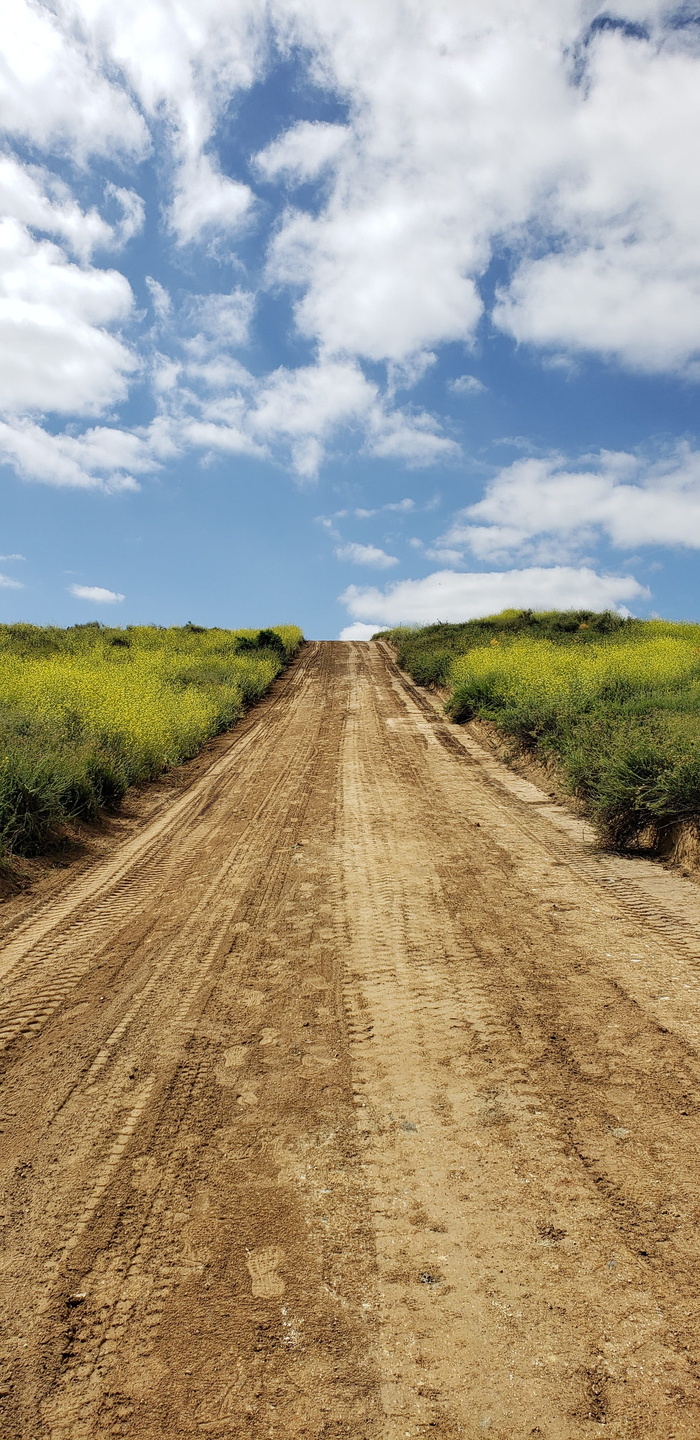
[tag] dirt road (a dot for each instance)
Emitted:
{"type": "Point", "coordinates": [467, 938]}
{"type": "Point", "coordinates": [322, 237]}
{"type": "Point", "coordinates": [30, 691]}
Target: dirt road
{"type": "Point", "coordinates": [354, 1096]}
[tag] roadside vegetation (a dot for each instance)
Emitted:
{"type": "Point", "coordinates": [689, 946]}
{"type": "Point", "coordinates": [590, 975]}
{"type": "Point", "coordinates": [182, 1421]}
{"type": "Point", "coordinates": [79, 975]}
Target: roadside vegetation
{"type": "Point", "coordinates": [87, 712]}
{"type": "Point", "coordinates": [614, 703]}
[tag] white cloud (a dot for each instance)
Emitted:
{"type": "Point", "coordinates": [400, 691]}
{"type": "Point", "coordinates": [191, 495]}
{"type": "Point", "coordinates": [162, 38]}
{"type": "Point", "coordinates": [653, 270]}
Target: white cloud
{"type": "Point", "coordinates": [468, 126]}
{"type": "Point", "coordinates": [100, 459]}
{"type": "Point", "coordinates": [7, 583]}
{"type": "Point", "coordinates": [305, 406]}
{"type": "Point", "coordinates": [403, 507]}
{"type": "Point", "coordinates": [366, 555]}
{"type": "Point", "coordinates": [454, 127]}
{"type": "Point", "coordinates": [55, 353]}
{"type": "Point", "coordinates": [465, 133]}
{"type": "Point", "coordinates": [31, 195]}
{"type": "Point", "coordinates": [228, 438]}
{"type": "Point", "coordinates": [304, 151]}
{"type": "Point", "coordinates": [379, 279]}
{"type": "Point", "coordinates": [404, 374]}
{"type": "Point", "coordinates": [626, 280]}
{"type": "Point", "coordinates": [38, 199]}
{"type": "Point", "coordinates": [223, 319]}
{"type": "Point", "coordinates": [133, 214]}
{"type": "Point", "coordinates": [96, 594]}
{"type": "Point", "coordinates": [467, 385]}
{"type": "Point", "coordinates": [619, 299]}
{"type": "Point", "coordinates": [416, 439]}
{"type": "Point", "coordinates": [358, 631]}
{"type": "Point", "coordinates": [205, 199]}
{"type": "Point", "coordinates": [444, 554]}
{"type": "Point", "coordinates": [184, 64]}
{"type": "Point", "coordinates": [221, 372]}
{"type": "Point", "coordinates": [464, 127]}
{"type": "Point", "coordinates": [448, 595]}
{"type": "Point", "coordinates": [53, 94]}
{"type": "Point", "coordinates": [160, 299]}
{"type": "Point", "coordinates": [548, 508]}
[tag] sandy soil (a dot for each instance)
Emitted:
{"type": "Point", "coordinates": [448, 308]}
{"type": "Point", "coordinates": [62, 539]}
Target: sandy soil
{"type": "Point", "coordinates": [354, 1094]}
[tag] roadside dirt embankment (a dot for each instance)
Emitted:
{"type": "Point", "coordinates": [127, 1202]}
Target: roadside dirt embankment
{"type": "Point", "coordinates": [356, 1094]}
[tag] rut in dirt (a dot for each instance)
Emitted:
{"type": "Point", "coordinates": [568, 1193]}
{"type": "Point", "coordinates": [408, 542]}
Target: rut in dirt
{"type": "Point", "coordinates": [356, 1095]}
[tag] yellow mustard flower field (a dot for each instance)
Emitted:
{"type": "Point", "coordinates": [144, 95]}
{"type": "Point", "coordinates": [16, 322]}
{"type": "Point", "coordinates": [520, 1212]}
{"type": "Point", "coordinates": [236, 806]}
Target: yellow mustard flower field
{"type": "Point", "coordinates": [613, 702]}
{"type": "Point", "coordinates": [86, 712]}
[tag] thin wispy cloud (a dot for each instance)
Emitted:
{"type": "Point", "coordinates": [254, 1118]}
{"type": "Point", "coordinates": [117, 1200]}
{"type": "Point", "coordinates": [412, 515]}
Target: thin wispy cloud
{"type": "Point", "coordinates": [96, 594]}
{"type": "Point", "coordinates": [467, 385]}
{"type": "Point", "coordinates": [370, 555]}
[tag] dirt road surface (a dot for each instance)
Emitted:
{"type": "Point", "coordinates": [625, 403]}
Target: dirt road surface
{"type": "Point", "coordinates": [355, 1095]}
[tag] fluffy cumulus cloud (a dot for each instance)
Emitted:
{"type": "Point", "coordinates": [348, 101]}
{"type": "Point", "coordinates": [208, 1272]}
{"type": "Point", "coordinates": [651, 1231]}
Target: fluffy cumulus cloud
{"type": "Point", "coordinates": [523, 123]}
{"type": "Point", "coordinates": [305, 406]}
{"type": "Point", "coordinates": [624, 279]}
{"type": "Point", "coordinates": [184, 64]}
{"type": "Point", "coordinates": [53, 94]}
{"type": "Point", "coordinates": [448, 595]}
{"type": "Point", "coordinates": [35, 197]}
{"type": "Point", "coordinates": [549, 508]}
{"type": "Point", "coordinates": [56, 352]}
{"type": "Point", "coordinates": [433, 165]}
{"type": "Point", "coordinates": [102, 458]}
{"type": "Point", "coordinates": [205, 200]}
{"type": "Point", "coordinates": [359, 631]}
{"type": "Point", "coordinates": [298, 413]}
{"type": "Point", "coordinates": [553, 136]}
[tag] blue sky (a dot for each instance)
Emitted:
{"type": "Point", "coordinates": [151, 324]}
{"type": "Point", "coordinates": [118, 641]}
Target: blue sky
{"type": "Point", "coordinates": [348, 314]}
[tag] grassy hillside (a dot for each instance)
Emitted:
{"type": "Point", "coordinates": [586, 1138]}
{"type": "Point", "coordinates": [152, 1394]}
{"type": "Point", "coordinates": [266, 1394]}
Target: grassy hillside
{"type": "Point", "coordinates": [616, 703]}
{"type": "Point", "coordinates": [88, 711]}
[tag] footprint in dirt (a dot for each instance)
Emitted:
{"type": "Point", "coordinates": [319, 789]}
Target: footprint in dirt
{"type": "Point", "coordinates": [263, 1265]}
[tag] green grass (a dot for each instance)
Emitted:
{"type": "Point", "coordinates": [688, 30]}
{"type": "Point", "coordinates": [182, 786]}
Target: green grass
{"type": "Point", "coordinates": [614, 703]}
{"type": "Point", "coordinates": [87, 712]}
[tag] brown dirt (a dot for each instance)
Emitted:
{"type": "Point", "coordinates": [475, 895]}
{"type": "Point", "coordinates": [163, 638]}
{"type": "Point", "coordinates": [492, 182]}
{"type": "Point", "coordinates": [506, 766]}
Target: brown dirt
{"type": "Point", "coordinates": [353, 1094]}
